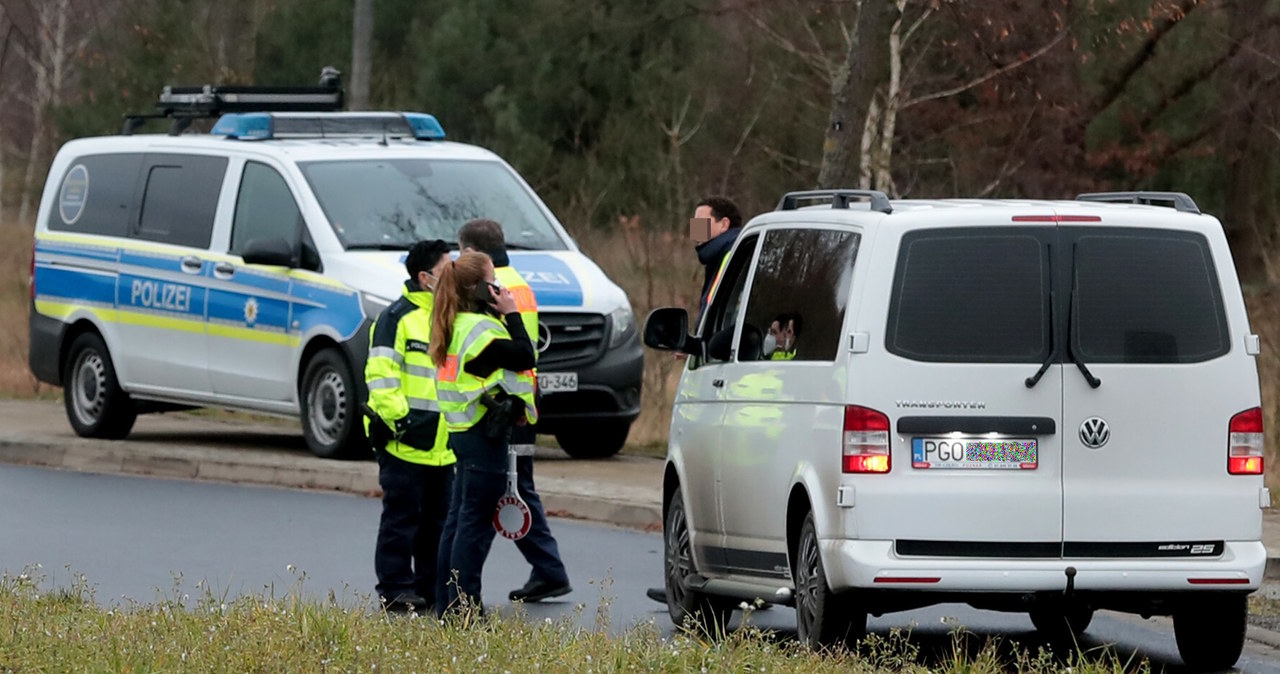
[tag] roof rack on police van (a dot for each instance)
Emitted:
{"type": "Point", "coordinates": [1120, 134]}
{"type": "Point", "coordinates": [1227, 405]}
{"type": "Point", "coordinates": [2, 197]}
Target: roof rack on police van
{"type": "Point", "coordinates": [839, 199]}
{"type": "Point", "coordinates": [183, 105]}
{"type": "Point", "coordinates": [1178, 200]}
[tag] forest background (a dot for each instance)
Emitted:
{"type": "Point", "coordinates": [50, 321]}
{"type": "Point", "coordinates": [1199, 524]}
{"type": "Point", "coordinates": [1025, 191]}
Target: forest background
{"type": "Point", "coordinates": [622, 113]}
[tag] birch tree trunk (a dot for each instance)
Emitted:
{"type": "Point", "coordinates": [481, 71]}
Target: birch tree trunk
{"type": "Point", "coordinates": [361, 54]}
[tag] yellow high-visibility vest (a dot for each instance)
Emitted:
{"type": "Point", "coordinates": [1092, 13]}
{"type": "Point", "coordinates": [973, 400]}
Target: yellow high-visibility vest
{"type": "Point", "coordinates": [402, 379]}
{"type": "Point", "coordinates": [460, 391]}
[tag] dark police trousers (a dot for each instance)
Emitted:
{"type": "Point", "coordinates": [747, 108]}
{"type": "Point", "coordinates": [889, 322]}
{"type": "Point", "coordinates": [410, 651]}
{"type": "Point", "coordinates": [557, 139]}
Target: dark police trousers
{"type": "Point", "coordinates": [538, 546]}
{"type": "Point", "coordinates": [468, 532]}
{"type": "Point", "coordinates": [415, 503]}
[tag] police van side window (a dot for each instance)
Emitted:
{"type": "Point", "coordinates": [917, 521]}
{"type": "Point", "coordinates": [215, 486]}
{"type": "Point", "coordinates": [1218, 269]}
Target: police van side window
{"type": "Point", "coordinates": [799, 295]}
{"type": "Point", "coordinates": [179, 198]}
{"type": "Point", "coordinates": [96, 195]}
{"type": "Point", "coordinates": [265, 209]}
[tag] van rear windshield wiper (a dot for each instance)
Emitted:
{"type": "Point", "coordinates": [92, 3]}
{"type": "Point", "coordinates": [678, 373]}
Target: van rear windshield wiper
{"type": "Point", "coordinates": [1053, 327]}
{"type": "Point", "coordinates": [1094, 382]}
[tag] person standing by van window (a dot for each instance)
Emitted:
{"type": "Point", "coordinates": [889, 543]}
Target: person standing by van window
{"type": "Point", "coordinates": [548, 577]}
{"type": "Point", "coordinates": [415, 466]}
{"type": "Point", "coordinates": [482, 347]}
{"type": "Point", "coordinates": [723, 223]}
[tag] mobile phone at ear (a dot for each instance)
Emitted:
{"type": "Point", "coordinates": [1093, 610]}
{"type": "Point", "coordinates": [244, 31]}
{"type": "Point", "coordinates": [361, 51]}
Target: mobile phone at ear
{"type": "Point", "coordinates": [700, 229]}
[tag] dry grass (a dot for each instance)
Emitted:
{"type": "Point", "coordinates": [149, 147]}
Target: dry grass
{"type": "Point", "coordinates": [16, 379]}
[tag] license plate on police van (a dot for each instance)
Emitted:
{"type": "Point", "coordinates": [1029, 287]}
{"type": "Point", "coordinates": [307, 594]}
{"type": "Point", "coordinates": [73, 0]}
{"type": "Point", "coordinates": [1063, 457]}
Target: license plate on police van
{"type": "Point", "coordinates": [557, 382]}
{"type": "Point", "coordinates": [974, 453]}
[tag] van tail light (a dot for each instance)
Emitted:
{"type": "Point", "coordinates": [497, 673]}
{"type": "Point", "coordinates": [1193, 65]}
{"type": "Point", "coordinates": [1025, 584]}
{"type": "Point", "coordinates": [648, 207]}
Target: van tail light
{"type": "Point", "coordinates": [866, 441]}
{"type": "Point", "coordinates": [1245, 443]}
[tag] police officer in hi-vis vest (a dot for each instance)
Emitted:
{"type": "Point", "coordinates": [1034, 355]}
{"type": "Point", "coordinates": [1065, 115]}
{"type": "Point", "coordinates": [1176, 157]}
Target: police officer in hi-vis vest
{"type": "Point", "coordinates": [548, 577]}
{"type": "Point", "coordinates": [482, 347]}
{"type": "Point", "coordinates": [415, 465]}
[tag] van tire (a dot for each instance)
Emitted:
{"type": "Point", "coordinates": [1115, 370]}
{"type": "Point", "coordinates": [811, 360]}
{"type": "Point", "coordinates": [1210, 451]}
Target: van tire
{"type": "Point", "coordinates": [1210, 631]}
{"type": "Point", "coordinates": [331, 421]}
{"type": "Point", "coordinates": [96, 405]}
{"type": "Point", "coordinates": [824, 619]}
{"type": "Point", "coordinates": [1062, 623]}
{"type": "Point", "coordinates": [687, 607]}
{"type": "Point", "coordinates": [594, 440]}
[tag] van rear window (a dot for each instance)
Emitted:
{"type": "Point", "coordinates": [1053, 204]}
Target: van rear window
{"type": "Point", "coordinates": [1147, 297]}
{"type": "Point", "coordinates": [96, 195]}
{"type": "Point", "coordinates": [971, 295]}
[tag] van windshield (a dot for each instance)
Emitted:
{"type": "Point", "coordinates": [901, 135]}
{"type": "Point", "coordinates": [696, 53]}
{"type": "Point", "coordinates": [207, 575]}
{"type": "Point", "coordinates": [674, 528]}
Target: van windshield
{"type": "Point", "coordinates": [390, 204]}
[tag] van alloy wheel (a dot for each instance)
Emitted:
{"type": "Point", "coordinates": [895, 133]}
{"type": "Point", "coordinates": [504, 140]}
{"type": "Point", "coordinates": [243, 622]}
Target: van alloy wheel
{"type": "Point", "coordinates": [824, 619]}
{"type": "Point", "coordinates": [709, 615]}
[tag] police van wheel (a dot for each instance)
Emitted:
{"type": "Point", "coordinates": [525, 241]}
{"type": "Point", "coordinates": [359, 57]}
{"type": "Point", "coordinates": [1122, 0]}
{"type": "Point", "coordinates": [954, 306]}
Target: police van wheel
{"type": "Point", "coordinates": [330, 422]}
{"type": "Point", "coordinates": [96, 405]}
{"type": "Point", "coordinates": [599, 440]}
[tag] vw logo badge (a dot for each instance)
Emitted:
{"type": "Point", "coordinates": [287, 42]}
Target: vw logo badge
{"type": "Point", "coordinates": [1094, 432]}
{"type": "Point", "coordinates": [544, 337]}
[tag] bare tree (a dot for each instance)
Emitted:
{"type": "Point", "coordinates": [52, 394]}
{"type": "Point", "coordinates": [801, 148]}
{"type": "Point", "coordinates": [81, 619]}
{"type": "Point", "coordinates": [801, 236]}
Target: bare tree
{"type": "Point", "coordinates": [361, 54]}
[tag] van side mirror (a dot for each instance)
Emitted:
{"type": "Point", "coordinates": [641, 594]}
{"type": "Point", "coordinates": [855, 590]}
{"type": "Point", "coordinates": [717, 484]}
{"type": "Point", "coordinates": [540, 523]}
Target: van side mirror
{"type": "Point", "coordinates": [667, 329]}
{"type": "Point", "coordinates": [272, 252]}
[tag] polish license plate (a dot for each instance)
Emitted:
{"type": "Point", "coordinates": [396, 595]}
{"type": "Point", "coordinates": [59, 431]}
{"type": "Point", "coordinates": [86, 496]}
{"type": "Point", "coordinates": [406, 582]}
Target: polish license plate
{"type": "Point", "coordinates": [974, 453]}
{"type": "Point", "coordinates": [557, 382]}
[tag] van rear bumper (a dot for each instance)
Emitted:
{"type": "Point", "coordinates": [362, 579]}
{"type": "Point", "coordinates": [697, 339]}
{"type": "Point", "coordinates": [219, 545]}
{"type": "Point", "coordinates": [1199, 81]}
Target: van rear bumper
{"type": "Point", "coordinates": [875, 565]}
{"type": "Point", "coordinates": [45, 347]}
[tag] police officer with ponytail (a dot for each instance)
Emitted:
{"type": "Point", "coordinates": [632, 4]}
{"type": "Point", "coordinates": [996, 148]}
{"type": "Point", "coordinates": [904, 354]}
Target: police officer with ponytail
{"type": "Point", "coordinates": [482, 348]}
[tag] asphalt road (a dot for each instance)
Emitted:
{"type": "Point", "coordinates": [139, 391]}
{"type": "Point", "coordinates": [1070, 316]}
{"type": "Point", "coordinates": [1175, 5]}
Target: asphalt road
{"type": "Point", "coordinates": [146, 538]}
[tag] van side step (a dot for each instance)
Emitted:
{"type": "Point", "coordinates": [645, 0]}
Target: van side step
{"type": "Point", "coordinates": [741, 590]}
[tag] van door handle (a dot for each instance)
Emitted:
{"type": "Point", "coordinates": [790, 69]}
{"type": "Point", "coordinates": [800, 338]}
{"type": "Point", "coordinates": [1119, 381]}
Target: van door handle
{"type": "Point", "coordinates": [718, 383]}
{"type": "Point", "coordinates": [192, 264]}
{"type": "Point", "coordinates": [224, 270]}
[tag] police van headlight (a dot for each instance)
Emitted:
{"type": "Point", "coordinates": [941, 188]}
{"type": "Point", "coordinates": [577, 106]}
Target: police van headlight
{"type": "Point", "coordinates": [623, 324]}
{"type": "Point", "coordinates": [373, 305]}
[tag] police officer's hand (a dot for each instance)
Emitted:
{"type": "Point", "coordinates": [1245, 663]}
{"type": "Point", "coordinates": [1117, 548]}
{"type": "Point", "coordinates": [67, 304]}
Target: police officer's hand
{"type": "Point", "coordinates": [503, 301]}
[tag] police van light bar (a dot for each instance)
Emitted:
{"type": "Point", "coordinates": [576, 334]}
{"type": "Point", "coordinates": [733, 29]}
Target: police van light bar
{"type": "Point", "coordinates": [266, 126]}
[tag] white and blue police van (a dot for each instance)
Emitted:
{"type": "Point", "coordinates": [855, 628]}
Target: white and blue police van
{"type": "Point", "coordinates": [241, 269]}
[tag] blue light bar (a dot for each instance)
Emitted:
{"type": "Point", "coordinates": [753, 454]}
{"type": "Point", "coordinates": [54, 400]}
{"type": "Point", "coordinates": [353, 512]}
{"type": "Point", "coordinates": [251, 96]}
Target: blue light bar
{"type": "Point", "coordinates": [425, 127]}
{"type": "Point", "coordinates": [247, 126]}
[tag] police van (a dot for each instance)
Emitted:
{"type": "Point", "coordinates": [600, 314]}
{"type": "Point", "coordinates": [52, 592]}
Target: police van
{"type": "Point", "coordinates": [242, 268]}
{"type": "Point", "coordinates": [1046, 407]}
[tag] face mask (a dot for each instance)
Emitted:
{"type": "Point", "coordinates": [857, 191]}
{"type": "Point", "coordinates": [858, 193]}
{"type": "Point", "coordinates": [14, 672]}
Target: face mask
{"type": "Point", "coordinates": [770, 344]}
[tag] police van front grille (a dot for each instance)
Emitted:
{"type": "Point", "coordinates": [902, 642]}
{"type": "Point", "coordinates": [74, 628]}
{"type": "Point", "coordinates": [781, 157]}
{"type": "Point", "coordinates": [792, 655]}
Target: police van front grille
{"type": "Point", "coordinates": [575, 338]}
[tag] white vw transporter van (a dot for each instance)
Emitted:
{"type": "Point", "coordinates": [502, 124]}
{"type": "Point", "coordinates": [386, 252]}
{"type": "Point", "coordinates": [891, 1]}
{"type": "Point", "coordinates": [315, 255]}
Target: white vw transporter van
{"type": "Point", "coordinates": [1048, 407]}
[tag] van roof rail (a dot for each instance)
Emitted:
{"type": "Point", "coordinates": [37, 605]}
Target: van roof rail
{"type": "Point", "coordinates": [839, 199]}
{"type": "Point", "coordinates": [184, 105]}
{"type": "Point", "coordinates": [1178, 200]}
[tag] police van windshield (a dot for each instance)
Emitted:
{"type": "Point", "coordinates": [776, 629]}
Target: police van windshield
{"type": "Point", "coordinates": [389, 204]}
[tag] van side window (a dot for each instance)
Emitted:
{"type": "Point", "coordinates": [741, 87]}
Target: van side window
{"type": "Point", "coordinates": [722, 313]}
{"type": "Point", "coordinates": [799, 295]}
{"type": "Point", "coordinates": [1150, 297]}
{"type": "Point", "coordinates": [96, 195]}
{"type": "Point", "coordinates": [180, 198]}
{"type": "Point", "coordinates": [265, 209]}
{"type": "Point", "coordinates": [971, 295]}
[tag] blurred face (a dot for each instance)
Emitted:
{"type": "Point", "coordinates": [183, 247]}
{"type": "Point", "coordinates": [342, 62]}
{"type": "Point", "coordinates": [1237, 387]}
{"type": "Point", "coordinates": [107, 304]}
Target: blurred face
{"type": "Point", "coordinates": [718, 227]}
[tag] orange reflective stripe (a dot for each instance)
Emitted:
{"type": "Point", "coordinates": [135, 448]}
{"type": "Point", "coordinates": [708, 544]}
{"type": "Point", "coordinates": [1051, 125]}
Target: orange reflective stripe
{"type": "Point", "coordinates": [448, 371]}
{"type": "Point", "coordinates": [525, 300]}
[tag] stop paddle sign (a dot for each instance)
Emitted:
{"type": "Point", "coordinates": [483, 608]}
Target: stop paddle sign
{"type": "Point", "coordinates": [512, 518]}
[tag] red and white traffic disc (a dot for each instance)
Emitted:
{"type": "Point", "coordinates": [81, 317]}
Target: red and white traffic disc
{"type": "Point", "coordinates": [512, 518]}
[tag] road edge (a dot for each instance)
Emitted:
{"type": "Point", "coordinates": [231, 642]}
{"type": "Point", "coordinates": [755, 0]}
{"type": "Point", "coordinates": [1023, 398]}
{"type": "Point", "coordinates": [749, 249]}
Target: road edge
{"type": "Point", "coordinates": [352, 477]}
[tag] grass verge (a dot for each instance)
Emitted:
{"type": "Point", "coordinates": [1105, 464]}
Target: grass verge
{"type": "Point", "coordinates": [66, 630]}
